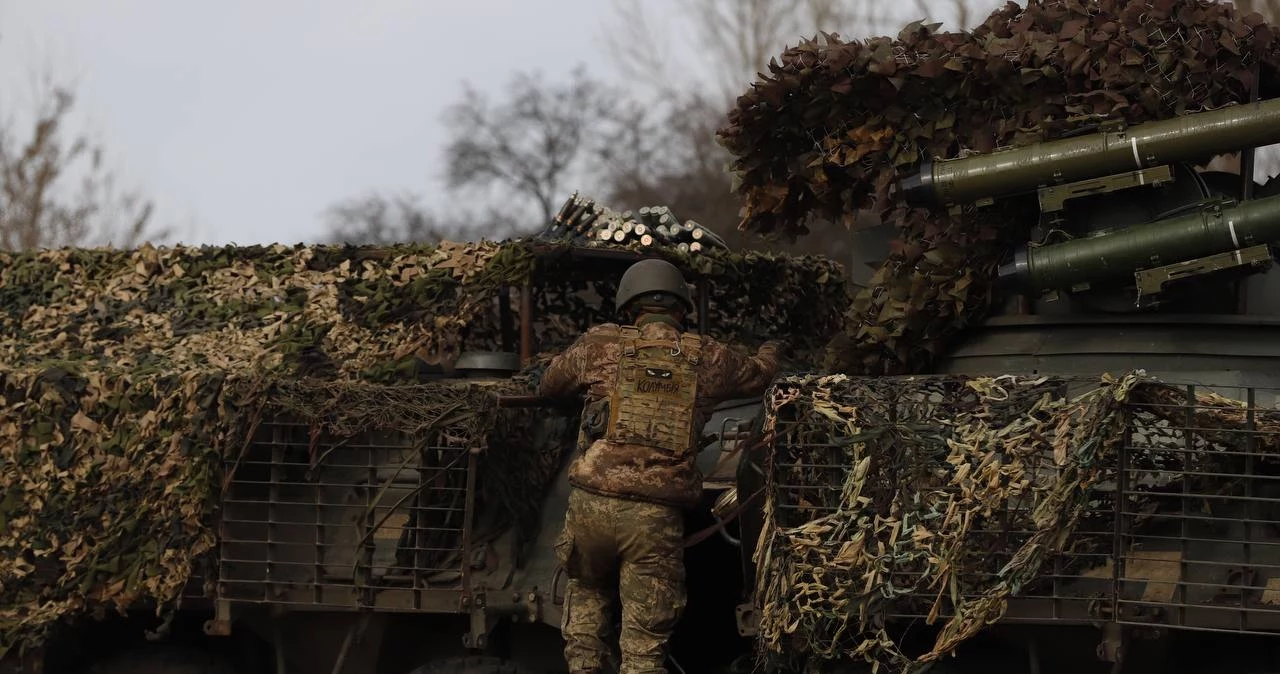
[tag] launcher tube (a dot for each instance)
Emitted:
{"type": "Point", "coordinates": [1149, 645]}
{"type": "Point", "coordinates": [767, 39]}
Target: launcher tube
{"type": "Point", "coordinates": [1119, 254]}
{"type": "Point", "coordinates": [1184, 138]}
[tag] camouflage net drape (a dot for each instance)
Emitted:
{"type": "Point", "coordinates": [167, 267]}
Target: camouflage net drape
{"type": "Point", "coordinates": [945, 496]}
{"type": "Point", "coordinates": [129, 376]}
{"type": "Point", "coordinates": [111, 479]}
{"type": "Point", "coordinates": [921, 468]}
{"type": "Point", "coordinates": [373, 313]}
{"type": "Point", "coordinates": [834, 125]}
{"type": "Point", "coordinates": [754, 297]}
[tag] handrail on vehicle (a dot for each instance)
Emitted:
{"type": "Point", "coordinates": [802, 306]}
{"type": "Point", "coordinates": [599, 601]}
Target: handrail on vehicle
{"type": "Point", "coordinates": [534, 400]}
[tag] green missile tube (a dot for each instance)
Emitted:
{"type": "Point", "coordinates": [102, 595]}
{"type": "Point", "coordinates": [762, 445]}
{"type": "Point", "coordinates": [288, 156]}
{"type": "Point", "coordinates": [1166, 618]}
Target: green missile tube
{"type": "Point", "coordinates": [1115, 255]}
{"type": "Point", "coordinates": [1184, 138]}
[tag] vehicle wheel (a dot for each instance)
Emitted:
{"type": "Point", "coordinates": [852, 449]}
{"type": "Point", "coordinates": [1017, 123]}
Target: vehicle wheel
{"type": "Point", "coordinates": [473, 665]}
{"type": "Point", "coordinates": [165, 661]}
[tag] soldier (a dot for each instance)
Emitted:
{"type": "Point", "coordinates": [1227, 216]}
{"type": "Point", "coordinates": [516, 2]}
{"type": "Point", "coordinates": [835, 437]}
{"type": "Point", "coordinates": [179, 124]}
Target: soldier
{"type": "Point", "coordinates": [649, 388]}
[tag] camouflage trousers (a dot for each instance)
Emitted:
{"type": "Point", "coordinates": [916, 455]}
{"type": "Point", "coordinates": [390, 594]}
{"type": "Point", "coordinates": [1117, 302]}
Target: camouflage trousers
{"type": "Point", "coordinates": [635, 551]}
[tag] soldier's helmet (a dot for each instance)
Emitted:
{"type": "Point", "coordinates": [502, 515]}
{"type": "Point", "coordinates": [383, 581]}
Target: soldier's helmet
{"type": "Point", "coordinates": [652, 277]}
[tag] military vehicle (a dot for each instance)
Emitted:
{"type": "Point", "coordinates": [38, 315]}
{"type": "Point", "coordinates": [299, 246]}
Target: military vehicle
{"type": "Point", "coordinates": [388, 551]}
{"type": "Point", "coordinates": [380, 558]}
{"type": "Point", "coordinates": [1144, 258]}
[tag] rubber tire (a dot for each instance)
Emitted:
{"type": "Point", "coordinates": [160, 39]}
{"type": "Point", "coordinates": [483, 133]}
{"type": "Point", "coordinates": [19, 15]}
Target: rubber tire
{"type": "Point", "coordinates": [164, 661]}
{"type": "Point", "coordinates": [473, 665]}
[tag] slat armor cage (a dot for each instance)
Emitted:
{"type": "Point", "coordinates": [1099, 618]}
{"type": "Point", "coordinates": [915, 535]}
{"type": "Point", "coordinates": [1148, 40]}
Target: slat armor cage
{"type": "Point", "coordinates": [966, 499]}
{"type": "Point", "coordinates": [375, 520]}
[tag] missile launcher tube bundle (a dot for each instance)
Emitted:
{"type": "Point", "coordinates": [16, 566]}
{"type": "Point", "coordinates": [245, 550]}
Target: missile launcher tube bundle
{"type": "Point", "coordinates": [1190, 137]}
{"type": "Point", "coordinates": [830, 129]}
{"type": "Point", "coordinates": [827, 132]}
{"type": "Point", "coordinates": [1114, 255]}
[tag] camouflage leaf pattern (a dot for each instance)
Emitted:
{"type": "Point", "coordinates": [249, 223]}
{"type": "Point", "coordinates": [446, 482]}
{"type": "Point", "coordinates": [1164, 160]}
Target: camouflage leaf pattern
{"type": "Point", "coordinates": [834, 125]}
{"type": "Point", "coordinates": [130, 375]}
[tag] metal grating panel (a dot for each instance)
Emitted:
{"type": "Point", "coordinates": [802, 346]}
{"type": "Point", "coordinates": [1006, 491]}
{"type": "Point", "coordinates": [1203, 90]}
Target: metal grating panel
{"type": "Point", "coordinates": [1198, 526]}
{"type": "Point", "coordinates": [1183, 530]}
{"type": "Point", "coordinates": [375, 520]}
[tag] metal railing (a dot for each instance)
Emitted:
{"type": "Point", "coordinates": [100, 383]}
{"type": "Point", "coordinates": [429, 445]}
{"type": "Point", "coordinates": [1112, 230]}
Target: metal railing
{"type": "Point", "coordinates": [376, 520]}
{"type": "Point", "coordinates": [1182, 528]}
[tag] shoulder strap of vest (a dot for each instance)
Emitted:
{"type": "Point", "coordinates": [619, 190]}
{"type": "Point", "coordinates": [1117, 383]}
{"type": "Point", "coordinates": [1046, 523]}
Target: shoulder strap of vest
{"type": "Point", "coordinates": [691, 345]}
{"type": "Point", "coordinates": [629, 335]}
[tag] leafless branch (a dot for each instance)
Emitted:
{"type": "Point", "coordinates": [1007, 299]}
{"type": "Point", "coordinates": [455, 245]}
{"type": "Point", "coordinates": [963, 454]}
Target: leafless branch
{"type": "Point", "coordinates": [38, 206]}
{"type": "Point", "coordinates": [737, 36]}
{"type": "Point", "coordinates": [383, 220]}
{"type": "Point", "coordinates": [638, 47]}
{"type": "Point", "coordinates": [963, 14]}
{"type": "Point", "coordinates": [533, 143]}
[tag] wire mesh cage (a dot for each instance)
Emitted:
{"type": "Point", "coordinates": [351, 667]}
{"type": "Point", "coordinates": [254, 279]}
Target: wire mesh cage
{"type": "Point", "coordinates": [378, 519]}
{"type": "Point", "coordinates": [1197, 543]}
{"type": "Point", "coordinates": [968, 499]}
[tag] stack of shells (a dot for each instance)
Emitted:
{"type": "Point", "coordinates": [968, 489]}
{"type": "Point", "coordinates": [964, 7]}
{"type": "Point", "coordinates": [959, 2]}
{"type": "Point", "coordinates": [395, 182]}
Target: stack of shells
{"type": "Point", "coordinates": [584, 222]}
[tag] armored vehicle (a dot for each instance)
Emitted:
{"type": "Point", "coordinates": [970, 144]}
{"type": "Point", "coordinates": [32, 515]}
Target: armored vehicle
{"type": "Point", "coordinates": [391, 512]}
{"type": "Point", "coordinates": [1148, 258]}
{"type": "Point", "coordinates": [424, 544]}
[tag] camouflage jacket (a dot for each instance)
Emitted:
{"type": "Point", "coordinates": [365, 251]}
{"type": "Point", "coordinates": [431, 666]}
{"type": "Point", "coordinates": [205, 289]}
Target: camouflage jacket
{"type": "Point", "coordinates": [590, 366]}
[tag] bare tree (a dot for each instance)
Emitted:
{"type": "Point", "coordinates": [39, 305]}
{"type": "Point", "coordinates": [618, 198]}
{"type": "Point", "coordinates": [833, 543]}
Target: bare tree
{"type": "Point", "coordinates": [535, 143]}
{"type": "Point", "coordinates": [381, 220]}
{"type": "Point", "coordinates": [40, 207]}
{"type": "Point", "coordinates": [740, 36]}
{"type": "Point", "coordinates": [671, 155]}
{"type": "Point", "coordinates": [671, 158]}
{"type": "Point", "coordinates": [538, 144]}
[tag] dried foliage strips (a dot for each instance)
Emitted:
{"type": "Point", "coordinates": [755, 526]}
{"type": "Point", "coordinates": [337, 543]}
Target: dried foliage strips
{"type": "Point", "coordinates": [108, 483]}
{"type": "Point", "coordinates": [353, 312]}
{"type": "Point", "coordinates": [112, 482]}
{"type": "Point", "coordinates": [333, 311]}
{"type": "Point", "coordinates": [928, 473]}
{"type": "Point", "coordinates": [754, 297]}
{"type": "Point", "coordinates": [131, 376]}
{"type": "Point", "coordinates": [834, 125]}
{"type": "Point", "coordinates": [946, 496]}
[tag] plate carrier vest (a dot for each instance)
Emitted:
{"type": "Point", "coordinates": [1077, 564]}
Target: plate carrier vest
{"type": "Point", "coordinates": [655, 392]}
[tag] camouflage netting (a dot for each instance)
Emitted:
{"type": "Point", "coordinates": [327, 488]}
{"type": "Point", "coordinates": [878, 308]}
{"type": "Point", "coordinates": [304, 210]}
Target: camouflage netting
{"type": "Point", "coordinates": [129, 376]}
{"type": "Point", "coordinates": [944, 496]}
{"type": "Point", "coordinates": [754, 297]}
{"type": "Point", "coordinates": [106, 488]}
{"type": "Point", "coordinates": [835, 125]}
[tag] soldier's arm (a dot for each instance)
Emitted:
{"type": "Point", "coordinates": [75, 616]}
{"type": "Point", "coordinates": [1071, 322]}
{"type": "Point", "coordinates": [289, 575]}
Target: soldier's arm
{"type": "Point", "coordinates": [563, 377]}
{"type": "Point", "coordinates": [566, 374]}
{"type": "Point", "coordinates": [736, 376]}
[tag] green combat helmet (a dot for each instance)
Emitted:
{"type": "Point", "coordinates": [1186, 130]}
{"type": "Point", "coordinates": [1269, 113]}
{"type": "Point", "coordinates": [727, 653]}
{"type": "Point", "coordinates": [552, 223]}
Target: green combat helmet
{"type": "Point", "coordinates": [652, 276]}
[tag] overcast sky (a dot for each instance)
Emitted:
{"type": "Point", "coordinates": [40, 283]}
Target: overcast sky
{"type": "Point", "coordinates": [244, 120]}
